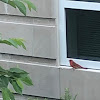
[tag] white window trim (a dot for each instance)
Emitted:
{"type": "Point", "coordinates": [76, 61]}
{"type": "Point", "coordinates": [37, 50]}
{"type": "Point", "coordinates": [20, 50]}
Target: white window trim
{"type": "Point", "coordinates": [62, 31]}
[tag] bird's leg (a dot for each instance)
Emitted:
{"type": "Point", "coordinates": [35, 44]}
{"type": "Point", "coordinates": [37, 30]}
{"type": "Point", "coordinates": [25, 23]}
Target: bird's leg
{"type": "Point", "coordinates": [73, 69]}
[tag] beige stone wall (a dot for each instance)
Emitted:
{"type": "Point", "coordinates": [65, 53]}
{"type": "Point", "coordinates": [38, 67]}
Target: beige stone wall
{"type": "Point", "coordinates": [38, 29]}
{"type": "Point", "coordinates": [50, 81]}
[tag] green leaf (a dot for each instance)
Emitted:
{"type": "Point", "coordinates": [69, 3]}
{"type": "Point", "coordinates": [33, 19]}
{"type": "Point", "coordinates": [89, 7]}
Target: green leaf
{"type": "Point", "coordinates": [17, 73]}
{"type": "Point", "coordinates": [11, 95]}
{"type": "Point", "coordinates": [19, 42]}
{"type": "Point", "coordinates": [14, 42]}
{"type": "Point", "coordinates": [27, 81]}
{"type": "Point", "coordinates": [9, 42]}
{"type": "Point", "coordinates": [23, 75]}
{"type": "Point", "coordinates": [16, 86]}
{"type": "Point", "coordinates": [12, 3]}
{"type": "Point", "coordinates": [19, 82]}
{"type": "Point", "coordinates": [5, 42]}
{"type": "Point", "coordinates": [30, 5]}
{"type": "Point", "coordinates": [3, 70]}
{"type": "Point", "coordinates": [4, 81]}
{"type": "Point", "coordinates": [20, 6]}
{"type": "Point", "coordinates": [5, 1]}
{"type": "Point", "coordinates": [14, 75]}
{"type": "Point", "coordinates": [17, 70]}
{"type": "Point", "coordinates": [5, 94]}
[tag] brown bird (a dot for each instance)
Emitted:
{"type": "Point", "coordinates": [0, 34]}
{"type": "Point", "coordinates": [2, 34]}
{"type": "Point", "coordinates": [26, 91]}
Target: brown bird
{"type": "Point", "coordinates": [75, 65]}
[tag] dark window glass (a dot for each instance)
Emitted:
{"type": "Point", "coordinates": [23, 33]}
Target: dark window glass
{"type": "Point", "coordinates": [83, 34]}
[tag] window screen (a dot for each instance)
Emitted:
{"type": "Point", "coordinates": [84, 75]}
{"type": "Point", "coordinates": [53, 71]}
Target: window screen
{"type": "Point", "coordinates": [83, 34]}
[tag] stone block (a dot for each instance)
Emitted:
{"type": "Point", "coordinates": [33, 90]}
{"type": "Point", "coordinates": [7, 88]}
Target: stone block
{"type": "Point", "coordinates": [84, 83]}
{"type": "Point", "coordinates": [40, 40]}
{"type": "Point", "coordinates": [2, 8]}
{"type": "Point", "coordinates": [17, 30]}
{"type": "Point", "coordinates": [44, 42]}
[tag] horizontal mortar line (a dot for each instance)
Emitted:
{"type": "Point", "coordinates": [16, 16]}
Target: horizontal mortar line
{"type": "Point", "coordinates": [27, 24]}
{"type": "Point", "coordinates": [35, 64]}
{"type": "Point", "coordinates": [28, 19]}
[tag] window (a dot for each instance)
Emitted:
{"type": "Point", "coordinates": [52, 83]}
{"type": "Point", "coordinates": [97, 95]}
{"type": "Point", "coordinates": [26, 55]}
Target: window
{"type": "Point", "coordinates": [83, 34]}
{"type": "Point", "coordinates": [80, 33]}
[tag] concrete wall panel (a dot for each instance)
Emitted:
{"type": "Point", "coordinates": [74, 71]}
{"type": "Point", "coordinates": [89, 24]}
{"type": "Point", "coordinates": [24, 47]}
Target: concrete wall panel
{"type": "Point", "coordinates": [40, 32]}
{"type": "Point", "coordinates": [2, 8]}
{"type": "Point", "coordinates": [15, 30]}
{"type": "Point", "coordinates": [44, 42]}
{"type": "Point", "coordinates": [45, 79]}
{"type": "Point", "coordinates": [84, 83]}
{"type": "Point", "coordinates": [40, 40]}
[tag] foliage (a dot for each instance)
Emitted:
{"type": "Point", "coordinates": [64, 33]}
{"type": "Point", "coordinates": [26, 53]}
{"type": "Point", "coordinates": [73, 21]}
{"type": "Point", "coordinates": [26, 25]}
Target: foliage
{"type": "Point", "coordinates": [20, 4]}
{"type": "Point", "coordinates": [68, 96]}
{"type": "Point", "coordinates": [16, 77]}
{"type": "Point", "coordinates": [14, 42]}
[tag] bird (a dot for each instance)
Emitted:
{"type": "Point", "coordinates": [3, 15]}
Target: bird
{"type": "Point", "coordinates": [75, 65]}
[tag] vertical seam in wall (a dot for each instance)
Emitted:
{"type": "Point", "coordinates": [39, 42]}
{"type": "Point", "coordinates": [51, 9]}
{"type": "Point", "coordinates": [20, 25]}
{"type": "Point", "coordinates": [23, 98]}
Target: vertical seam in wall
{"type": "Point", "coordinates": [33, 39]}
{"type": "Point", "coordinates": [57, 30]}
{"type": "Point", "coordinates": [6, 8]}
{"type": "Point", "coordinates": [59, 84]}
